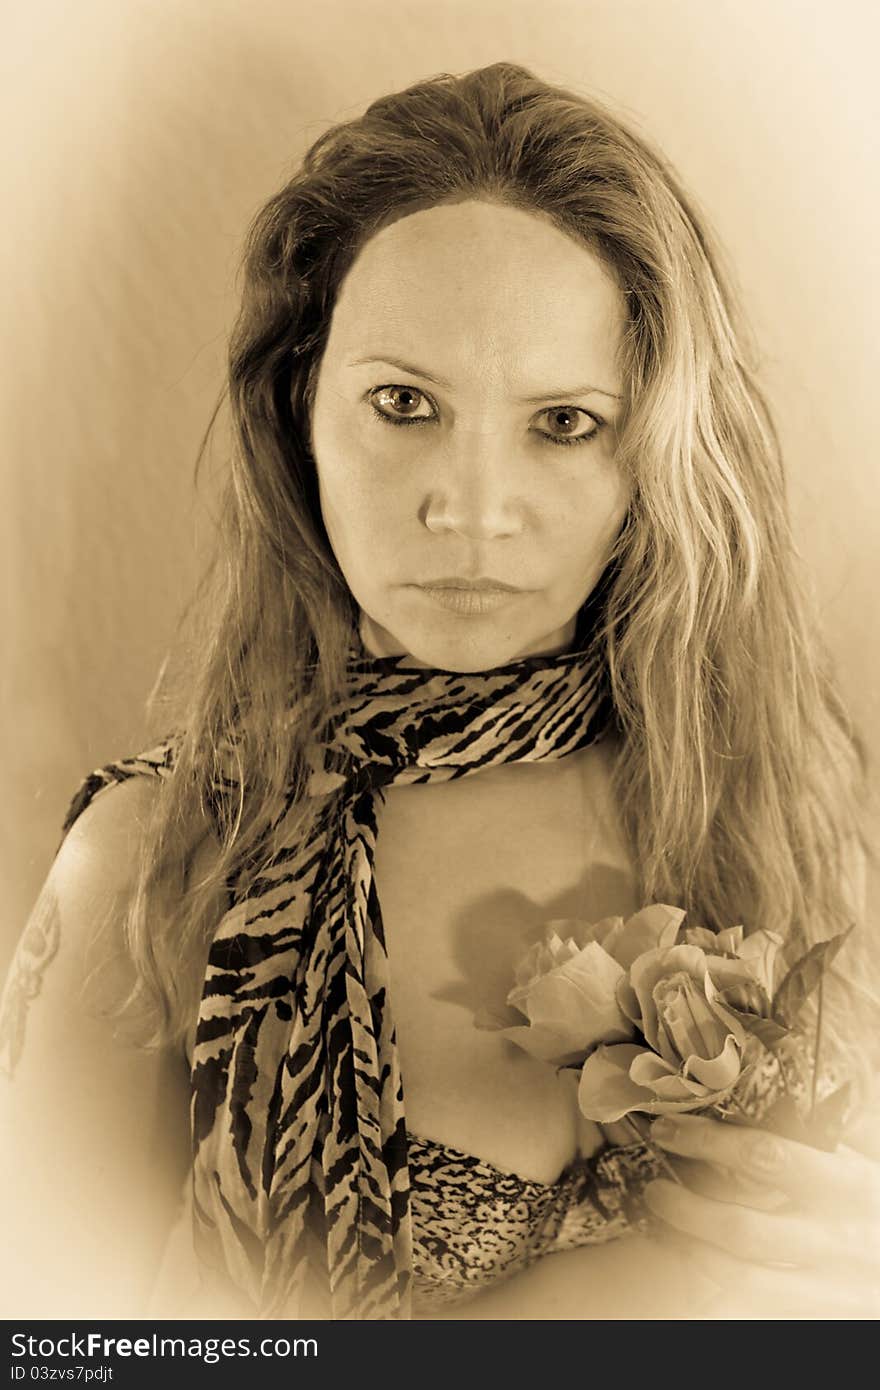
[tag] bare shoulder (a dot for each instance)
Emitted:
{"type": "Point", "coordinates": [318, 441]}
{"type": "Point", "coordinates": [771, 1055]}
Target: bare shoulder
{"type": "Point", "coordinates": [78, 915]}
{"type": "Point", "coordinates": [105, 840]}
{"type": "Point", "coordinates": [72, 948]}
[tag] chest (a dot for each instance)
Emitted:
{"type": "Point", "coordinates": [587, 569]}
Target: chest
{"type": "Point", "coordinates": [468, 874]}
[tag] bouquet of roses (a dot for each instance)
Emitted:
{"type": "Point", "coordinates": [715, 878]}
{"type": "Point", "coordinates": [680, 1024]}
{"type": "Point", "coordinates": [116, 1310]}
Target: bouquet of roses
{"type": "Point", "coordinates": [661, 1017]}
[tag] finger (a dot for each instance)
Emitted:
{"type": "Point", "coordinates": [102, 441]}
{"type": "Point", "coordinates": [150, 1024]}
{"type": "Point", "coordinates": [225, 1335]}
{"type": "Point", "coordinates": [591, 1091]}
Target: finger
{"type": "Point", "coordinates": [811, 1175]}
{"type": "Point", "coordinates": [783, 1237]}
{"type": "Point", "coordinates": [723, 1185]}
{"type": "Point", "coordinates": [755, 1291]}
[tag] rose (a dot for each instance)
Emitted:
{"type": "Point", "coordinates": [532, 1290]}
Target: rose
{"type": "Point", "coordinates": [694, 1045]}
{"type": "Point", "coordinates": [564, 1004]}
{"type": "Point", "coordinates": [743, 969]}
{"type": "Point", "coordinates": [565, 1001]}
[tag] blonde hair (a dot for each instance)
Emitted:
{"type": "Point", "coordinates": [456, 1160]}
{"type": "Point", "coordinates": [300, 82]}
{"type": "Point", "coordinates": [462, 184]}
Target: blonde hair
{"type": "Point", "coordinates": [739, 772]}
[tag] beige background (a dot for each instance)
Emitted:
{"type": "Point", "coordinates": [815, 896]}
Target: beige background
{"type": "Point", "coordinates": [141, 135]}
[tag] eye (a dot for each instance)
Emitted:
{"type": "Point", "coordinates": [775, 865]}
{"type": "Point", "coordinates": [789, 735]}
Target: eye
{"type": "Point", "coordinates": [401, 405]}
{"type": "Point", "coordinates": [568, 424]}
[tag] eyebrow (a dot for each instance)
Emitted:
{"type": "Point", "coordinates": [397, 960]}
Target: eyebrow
{"type": "Point", "coordinates": [412, 370]}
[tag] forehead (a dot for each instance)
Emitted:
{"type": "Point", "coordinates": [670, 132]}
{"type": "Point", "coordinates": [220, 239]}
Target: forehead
{"type": "Point", "coordinates": [481, 281]}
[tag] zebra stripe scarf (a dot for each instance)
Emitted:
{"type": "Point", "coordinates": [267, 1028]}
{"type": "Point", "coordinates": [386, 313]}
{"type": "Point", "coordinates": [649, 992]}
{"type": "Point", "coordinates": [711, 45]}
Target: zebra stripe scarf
{"type": "Point", "coordinates": [300, 1183]}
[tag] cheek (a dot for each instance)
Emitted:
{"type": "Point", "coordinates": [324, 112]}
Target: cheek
{"type": "Point", "coordinates": [362, 502]}
{"type": "Point", "coordinates": [585, 508]}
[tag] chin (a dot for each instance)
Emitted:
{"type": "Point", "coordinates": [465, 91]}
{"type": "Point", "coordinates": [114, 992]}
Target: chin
{"type": "Point", "coordinates": [464, 645]}
{"type": "Point", "coordinates": [465, 659]}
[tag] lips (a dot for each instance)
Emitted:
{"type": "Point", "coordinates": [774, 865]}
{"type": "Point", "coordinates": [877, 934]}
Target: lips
{"type": "Point", "coordinates": [477, 586]}
{"type": "Point", "coordinates": [469, 598]}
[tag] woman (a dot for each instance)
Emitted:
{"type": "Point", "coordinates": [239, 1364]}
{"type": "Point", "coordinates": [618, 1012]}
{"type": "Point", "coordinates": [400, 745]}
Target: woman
{"type": "Point", "coordinates": [504, 629]}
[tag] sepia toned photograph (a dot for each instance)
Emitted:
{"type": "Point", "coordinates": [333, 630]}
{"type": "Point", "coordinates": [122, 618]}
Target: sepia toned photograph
{"type": "Point", "coordinates": [441, 668]}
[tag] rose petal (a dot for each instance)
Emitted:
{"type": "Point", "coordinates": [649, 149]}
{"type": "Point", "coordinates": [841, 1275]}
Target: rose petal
{"type": "Point", "coordinates": [668, 1083]}
{"type": "Point", "coordinates": [651, 927]}
{"type": "Point", "coordinates": [559, 949]}
{"type": "Point", "coordinates": [730, 940]}
{"type": "Point", "coordinates": [578, 1001]}
{"type": "Point", "coordinates": [584, 932]}
{"type": "Point", "coordinates": [648, 1068]}
{"type": "Point", "coordinates": [605, 1091]}
{"type": "Point", "coordinates": [717, 1073]}
{"type": "Point", "coordinates": [686, 1019]}
{"type": "Point", "coordinates": [699, 936]}
{"type": "Point", "coordinates": [575, 1006]}
{"type": "Point", "coordinates": [541, 1043]}
{"type": "Point", "coordinates": [761, 948]}
{"type": "Point", "coordinates": [649, 969]}
{"type": "Point", "coordinates": [730, 1020]}
{"type": "Point", "coordinates": [529, 967]}
{"type": "Point", "coordinates": [535, 963]}
{"type": "Point", "coordinates": [490, 1018]}
{"type": "Point", "coordinates": [727, 941]}
{"type": "Point", "coordinates": [628, 1002]}
{"type": "Point", "coordinates": [554, 949]}
{"type": "Point", "coordinates": [655, 927]}
{"type": "Point", "coordinates": [605, 933]}
{"type": "Point", "coordinates": [731, 974]}
{"type": "Point", "coordinates": [748, 998]}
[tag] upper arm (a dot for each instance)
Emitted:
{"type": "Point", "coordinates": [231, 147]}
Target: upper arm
{"type": "Point", "coordinates": [96, 1127]}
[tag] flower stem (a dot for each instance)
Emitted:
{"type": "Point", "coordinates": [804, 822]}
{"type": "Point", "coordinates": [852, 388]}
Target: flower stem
{"type": "Point", "coordinates": [644, 1137]}
{"type": "Point", "coordinates": [776, 1052]}
{"type": "Point", "coordinates": [734, 1100]}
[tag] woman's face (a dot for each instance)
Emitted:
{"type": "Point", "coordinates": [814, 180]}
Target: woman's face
{"type": "Point", "coordinates": [463, 430]}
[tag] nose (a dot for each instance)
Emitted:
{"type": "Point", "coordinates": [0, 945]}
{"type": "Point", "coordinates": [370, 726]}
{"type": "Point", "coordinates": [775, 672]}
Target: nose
{"type": "Point", "coordinates": [472, 491]}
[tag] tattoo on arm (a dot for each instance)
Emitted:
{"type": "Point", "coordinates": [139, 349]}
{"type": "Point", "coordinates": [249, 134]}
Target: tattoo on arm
{"type": "Point", "coordinates": [38, 946]}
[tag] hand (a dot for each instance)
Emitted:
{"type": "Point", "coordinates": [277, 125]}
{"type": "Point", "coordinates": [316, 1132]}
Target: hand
{"type": "Point", "coordinates": [793, 1230]}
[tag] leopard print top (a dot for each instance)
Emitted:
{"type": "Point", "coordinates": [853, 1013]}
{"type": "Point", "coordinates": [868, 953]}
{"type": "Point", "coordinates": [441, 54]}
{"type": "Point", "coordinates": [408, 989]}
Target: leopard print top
{"type": "Point", "coordinates": [474, 1224]}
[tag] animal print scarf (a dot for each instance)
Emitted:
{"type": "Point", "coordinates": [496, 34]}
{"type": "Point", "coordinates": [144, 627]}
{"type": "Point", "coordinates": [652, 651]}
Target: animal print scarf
{"type": "Point", "coordinates": [300, 1176]}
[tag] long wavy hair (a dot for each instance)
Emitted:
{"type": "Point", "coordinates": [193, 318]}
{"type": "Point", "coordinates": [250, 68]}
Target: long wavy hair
{"type": "Point", "coordinates": [739, 773]}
